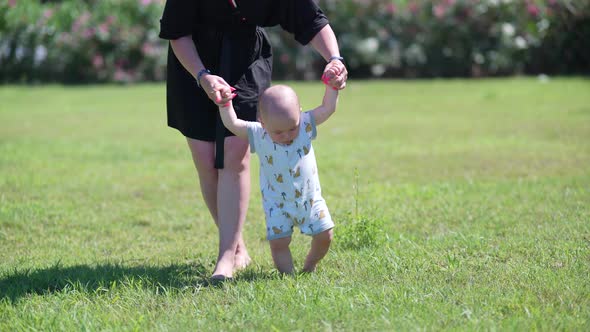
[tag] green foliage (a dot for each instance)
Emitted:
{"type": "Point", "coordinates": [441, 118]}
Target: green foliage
{"type": "Point", "coordinates": [449, 38]}
{"type": "Point", "coordinates": [104, 41]}
{"type": "Point", "coordinates": [75, 41]}
{"type": "Point", "coordinates": [359, 232]}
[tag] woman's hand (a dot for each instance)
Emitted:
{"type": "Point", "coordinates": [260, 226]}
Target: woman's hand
{"type": "Point", "coordinates": [335, 74]}
{"type": "Point", "coordinates": [217, 89]}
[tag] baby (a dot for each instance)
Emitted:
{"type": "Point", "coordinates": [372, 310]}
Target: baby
{"type": "Point", "coordinates": [289, 181]}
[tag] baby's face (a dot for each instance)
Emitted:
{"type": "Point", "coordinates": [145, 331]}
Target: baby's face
{"type": "Point", "coordinates": [282, 130]}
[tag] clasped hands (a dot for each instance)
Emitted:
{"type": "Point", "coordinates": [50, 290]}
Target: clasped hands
{"type": "Point", "coordinates": [220, 92]}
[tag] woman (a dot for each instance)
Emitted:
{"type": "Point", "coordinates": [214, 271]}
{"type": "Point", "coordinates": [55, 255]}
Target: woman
{"type": "Point", "coordinates": [214, 46]}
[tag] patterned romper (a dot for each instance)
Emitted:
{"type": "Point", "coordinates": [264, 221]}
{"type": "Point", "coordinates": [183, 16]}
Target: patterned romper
{"type": "Point", "coordinates": [289, 182]}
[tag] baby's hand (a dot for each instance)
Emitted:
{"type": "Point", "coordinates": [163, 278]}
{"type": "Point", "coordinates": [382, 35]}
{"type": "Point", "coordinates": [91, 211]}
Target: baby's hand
{"type": "Point", "coordinates": [228, 94]}
{"type": "Point", "coordinates": [328, 75]}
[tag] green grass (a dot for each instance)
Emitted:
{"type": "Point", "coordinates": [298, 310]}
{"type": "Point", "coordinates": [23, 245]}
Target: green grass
{"type": "Point", "coordinates": [459, 204]}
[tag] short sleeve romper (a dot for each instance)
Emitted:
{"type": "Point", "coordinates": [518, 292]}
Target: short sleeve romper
{"type": "Point", "coordinates": [231, 43]}
{"type": "Point", "coordinates": [289, 181]}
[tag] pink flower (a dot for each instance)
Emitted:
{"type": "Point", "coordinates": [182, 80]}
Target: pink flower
{"type": "Point", "coordinates": [124, 76]}
{"type": "Point", "coordinates": [121, 75]}
{"type": "Point", "coordinates": [76, 26]}
{"type": "Point", "coordinates": [439, 11]}
{"type": "Point", "coordinates": [103, 28]}
{"type": "Point", "coordinates": [121, 63]}
{"type": "Point", "coordinates": [285, 58]}
{"type": "Point", "coordinates": [532, 9]}
{"type": "Point", "coordinates": [413, 7]}
{"type": "Point", "coordinates": [88, 33]}
{"type": "Point", "coordinates": [48, 13]}
{"type": "Point", "coordinates": [65, 39]}
{"type": "Point", "coordinates": [80, 21]}
{"type": "Point", "coordinates": [11, 3]}
{"type": "Point", "coordinates": [390, 8]}
{"type": "Point", "coordinates": [97, 61]}
{"type": "Point", "coordinates": [466, 13]}
{"type": "Point", "coordinates": [148, 49]}
{"type": "Point", "coordinates": [146, 2]}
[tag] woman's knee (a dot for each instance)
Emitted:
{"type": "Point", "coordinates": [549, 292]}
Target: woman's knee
{"type": "Point", "coordinates": [280, 244]}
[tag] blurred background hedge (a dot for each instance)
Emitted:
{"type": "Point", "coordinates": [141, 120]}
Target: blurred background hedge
{"type": "Point", "coordinates": [89, 41]}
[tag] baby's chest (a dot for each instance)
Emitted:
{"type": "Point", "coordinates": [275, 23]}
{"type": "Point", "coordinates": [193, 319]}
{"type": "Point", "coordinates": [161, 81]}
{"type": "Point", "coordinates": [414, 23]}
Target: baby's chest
{"type": "Point", "coordinates": [292, 163]}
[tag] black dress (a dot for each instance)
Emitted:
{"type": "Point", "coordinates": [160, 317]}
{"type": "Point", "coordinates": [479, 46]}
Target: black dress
{"type": "Point", "coordinates": [231, 43]}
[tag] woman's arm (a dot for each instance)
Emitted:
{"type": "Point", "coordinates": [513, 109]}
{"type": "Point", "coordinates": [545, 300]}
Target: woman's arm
{"type": "Point", "coordinates": [187, 54]}
{"type": "Point", "coordinates": [325, 43]}
{"type": "Point", "coordinates": [214, 86]}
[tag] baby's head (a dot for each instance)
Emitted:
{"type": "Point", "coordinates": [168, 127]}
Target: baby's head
{"type": "Point", "coordinates": [279, 113]}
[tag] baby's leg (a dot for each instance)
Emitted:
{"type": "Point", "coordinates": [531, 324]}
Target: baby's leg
{"type": "Point", "coordinates": [319, 248]}
{"type": "Point", "coordinates": [281, 254]}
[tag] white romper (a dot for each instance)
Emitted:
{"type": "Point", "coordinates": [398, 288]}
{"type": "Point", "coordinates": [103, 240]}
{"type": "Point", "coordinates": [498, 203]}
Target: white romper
{"type": "Point", "coordinates": [289, 182]}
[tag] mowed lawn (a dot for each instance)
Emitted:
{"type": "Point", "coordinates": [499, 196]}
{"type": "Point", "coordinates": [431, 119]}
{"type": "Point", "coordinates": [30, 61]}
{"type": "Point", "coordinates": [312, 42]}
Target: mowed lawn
{"type": "Point", "coordinates": [459, 205]}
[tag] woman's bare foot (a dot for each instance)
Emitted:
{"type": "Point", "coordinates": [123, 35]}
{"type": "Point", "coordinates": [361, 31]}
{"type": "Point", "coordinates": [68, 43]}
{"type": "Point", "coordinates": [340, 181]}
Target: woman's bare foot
{"type": "Point", "coordinates": [242, 260]}
{"type": "Point", "coordinates": [218, 280]}
{"type": "Point", "coordinates": [223, 268]}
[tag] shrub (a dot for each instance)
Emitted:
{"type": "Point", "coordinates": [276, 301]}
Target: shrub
{"type": "Point", "coordinates": [76, 41]}
{"type": "Point", "coordinates": [444, 38]}
{"type": "Point", "coordinates": [359, 232]}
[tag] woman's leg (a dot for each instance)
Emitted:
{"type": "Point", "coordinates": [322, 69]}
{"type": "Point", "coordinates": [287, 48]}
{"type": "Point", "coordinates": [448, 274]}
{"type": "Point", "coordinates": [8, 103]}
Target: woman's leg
{"type": "Point", "coordinates": [203, 156]}
{"type": "Point", "coordinates": [233, 194]}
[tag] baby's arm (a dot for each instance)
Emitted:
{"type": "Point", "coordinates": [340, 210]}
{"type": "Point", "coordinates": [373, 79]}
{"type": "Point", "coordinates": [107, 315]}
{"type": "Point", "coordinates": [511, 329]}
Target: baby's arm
{"type": "Point", "coordinates": [237, 126]}
{"type": "Point", "coordinates": [328, 106]}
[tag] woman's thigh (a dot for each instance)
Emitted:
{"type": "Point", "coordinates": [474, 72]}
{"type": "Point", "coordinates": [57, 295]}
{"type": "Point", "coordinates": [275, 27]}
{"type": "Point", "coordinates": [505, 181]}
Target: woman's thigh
{"type": "Point", "coordinates": [203, 154]}
{"type": "Point", "coordinates": [236, 154]}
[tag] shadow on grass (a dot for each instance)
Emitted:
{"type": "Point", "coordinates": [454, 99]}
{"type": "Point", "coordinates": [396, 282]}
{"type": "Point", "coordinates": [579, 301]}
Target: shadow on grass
{"type": "Point", "coordinates": [95, 279]}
